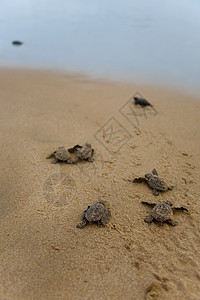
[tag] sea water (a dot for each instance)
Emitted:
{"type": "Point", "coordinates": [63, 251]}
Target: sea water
{"type": "Point", "coordinates": [148, 40]}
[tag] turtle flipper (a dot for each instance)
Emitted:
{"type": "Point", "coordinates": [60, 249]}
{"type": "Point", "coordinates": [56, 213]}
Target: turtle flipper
{"type": "Point", "coordinates": [180, 208]}
{"type": "Point", "coordinates": [148, 203]}
{"type": "Point", "coordinates": [54, 161]}
{"type": "Point", "coordinates": [99, 224]}
{"type": "Point", "coordinates": [50, 155]}
{"type": "Point", "coordinates": [72, 150]}
{"type": "Point", "coordinates": [171, 222]}
{"type": "Point", "coordinates": [91, 159]}
{"type": "Point", "coordinates": [82, 224]}
{"type": "Point", "coordinates": [155, 192]}
{"type": "Point", "coordinates": [139, 179]}
{"type": "Point", "coordinates": [72, 161]}
{"type": "Point", "coordinates": [148, 219]}
{"type": "Point", "coordinates": [83, 214]}
{"type": "Point", "coordinates": [170, 187]}
{"type": "Point", "coordinates": [105, 218]}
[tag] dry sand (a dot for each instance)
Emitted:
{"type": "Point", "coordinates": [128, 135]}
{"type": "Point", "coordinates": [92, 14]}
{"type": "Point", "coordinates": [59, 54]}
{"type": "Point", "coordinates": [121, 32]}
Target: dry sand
{"type": "Point", "coordinates": [43, 254]}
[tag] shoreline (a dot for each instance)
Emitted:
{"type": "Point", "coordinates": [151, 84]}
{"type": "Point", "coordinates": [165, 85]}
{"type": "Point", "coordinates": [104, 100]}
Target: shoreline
{"type": "Point", "coordinates": [127, 80]}
{"type": "Point", "coordinates": [44, 255]}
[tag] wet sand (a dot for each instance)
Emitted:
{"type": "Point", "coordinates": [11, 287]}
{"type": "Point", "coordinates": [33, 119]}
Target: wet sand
{"type": "Point", "coordinates": [43, 254]}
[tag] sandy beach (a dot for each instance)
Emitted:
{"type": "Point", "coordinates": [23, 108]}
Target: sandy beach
{"type": "Point", "coordinates": [43, 255]}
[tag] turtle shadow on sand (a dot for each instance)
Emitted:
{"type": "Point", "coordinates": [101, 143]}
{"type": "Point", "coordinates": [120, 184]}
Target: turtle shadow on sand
{"type": "Point", "coordinates": [163, 212]}
{"type": "Point", "coordinates": [156, 183]}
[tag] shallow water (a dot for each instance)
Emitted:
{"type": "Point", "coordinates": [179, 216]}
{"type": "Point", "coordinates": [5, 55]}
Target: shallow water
{"type": "Point", "coordinates": [148, 40]}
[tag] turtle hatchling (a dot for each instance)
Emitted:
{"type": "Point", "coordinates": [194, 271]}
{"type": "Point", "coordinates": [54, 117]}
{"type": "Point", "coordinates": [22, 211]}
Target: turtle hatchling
{"type": "Point", "coordinates": [84, 152]}
{"type": "Point", "coordinates": [142, 102]}
{"type": "Point", "coordinates": [17, 43]}
{"type": "Point", "coordinates": [163, 212]}
{"type": "Point", "coordinates": [156, 183]}
{"type": "Point", "coordinates": [97, 213]}
{"type": "Point", "coordinates": [61, 154]}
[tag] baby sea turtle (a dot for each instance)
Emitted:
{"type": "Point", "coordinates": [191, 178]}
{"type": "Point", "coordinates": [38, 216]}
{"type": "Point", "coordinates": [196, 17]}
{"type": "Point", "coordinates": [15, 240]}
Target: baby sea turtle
{"type": "Point", "coordinates": [96, 213]}
{"type": "Point", "coordinates": [142, 102]}
{"type": "Point", "coordinates": [162, 212]}
{"type": "Point", "coordinates": [17, 43]}
{"type": "Point", "coordinates": [84, 152]}
{"type": "Point", "coordinates": [61, 154]}
{"type": "Point", "coordinates": [155, 182]}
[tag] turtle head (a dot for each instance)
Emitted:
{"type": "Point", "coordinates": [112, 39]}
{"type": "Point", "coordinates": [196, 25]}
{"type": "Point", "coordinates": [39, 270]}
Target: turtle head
{"type": "Point", "coordinates": [105, 203]}
{"type": "Point", "coordinates": [148, 176]}
{"type": "Point", "coordinates": [102, 202]}
{"type": "Point", "coordinates": [136, 100]}
{"type": "Point", "coordinates": [87, 144]}
{"type": "Point", "coordinates": [169, 203]}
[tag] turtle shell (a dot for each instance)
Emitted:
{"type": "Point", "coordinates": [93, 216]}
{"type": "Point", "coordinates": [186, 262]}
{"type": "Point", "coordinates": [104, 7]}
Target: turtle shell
{"type": "Point", "coordinates": [62, 154]}
{"type": "Point", "coordinates": [157, 183]}
{"type": "Point", "coordinates": [95, 212]}
{"type": "Point", "coordinates": [162, 212]}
